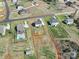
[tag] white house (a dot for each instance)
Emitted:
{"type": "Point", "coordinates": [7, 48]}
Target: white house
{"type": "Point", "coordinates": [39, 22]}
{"type": "Point", "coordinates": [53, 21]}
{"type": "Point", "coordinates": [28, 51]}
{"type": "Point", "coordinates": [69, 1]}
{"type": "Point", "coordinates": [21, 10]}
{"type": "Point", "coordinates": [69, 21]}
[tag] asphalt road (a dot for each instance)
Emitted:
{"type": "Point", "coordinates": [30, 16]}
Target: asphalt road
{"type": "Point", "coordinates": [38, 16]}
{"type": "Point", "coordinates": [11, 20]}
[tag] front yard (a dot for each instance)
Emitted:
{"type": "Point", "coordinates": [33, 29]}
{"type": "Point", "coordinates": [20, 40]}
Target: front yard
{"type": "Point", "coordinates": [47, 52]}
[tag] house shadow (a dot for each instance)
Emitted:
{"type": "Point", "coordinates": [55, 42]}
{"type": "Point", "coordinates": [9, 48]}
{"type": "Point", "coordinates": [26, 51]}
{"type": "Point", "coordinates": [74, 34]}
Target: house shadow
{"type": "Point", "coordinates": [77, 26]}
{"type": "Point", "coordinates": [15, 28]}
{"type": "Point", "coordinates": [63, 22]}
{"type": "Point", "coordinates": [33, 24]}
{"type": "Point", "coordinates": [70, 16]}
{"type": "Point", "coordinates": [77, 23]}
{"type": "Point", "coordinates": [48, 23]}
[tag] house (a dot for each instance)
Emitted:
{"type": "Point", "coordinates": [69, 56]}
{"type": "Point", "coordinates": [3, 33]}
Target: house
{"type": "Point", "coordinates": [2, 30]}
{"type": "Point", "coordinates": [39, 23]}
{"type": "Point", "coordinates": [69, 2]}
{"type": "Point", "coordinates": [53, 21]}
{"type": "Point", "coordinates": [20, 31]}
{"type": "Point", "coordinates": [21, 9]}
{"type": "Point", "coordinates": [28, 51]}
{"type": "Point", "coordinates": [69, 21]}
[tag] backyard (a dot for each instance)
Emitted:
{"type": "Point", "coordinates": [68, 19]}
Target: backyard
{"type": "Point", "coordinates": [72, 27]}
{"type": "Point", "coordinates": [58, 31]}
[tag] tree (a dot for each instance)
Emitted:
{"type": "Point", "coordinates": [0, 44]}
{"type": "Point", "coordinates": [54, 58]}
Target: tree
{"type": "Point", "coordinates": [53, 2]}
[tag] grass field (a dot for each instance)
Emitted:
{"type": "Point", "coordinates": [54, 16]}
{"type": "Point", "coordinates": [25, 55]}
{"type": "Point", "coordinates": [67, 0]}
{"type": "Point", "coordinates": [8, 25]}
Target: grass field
{"type": "Point", "coordinates": [72, 27]}
{"type": "Point", "coordinates": [61, 17]}
{"type": "Point", "coordinates": [57, 31]}
{"type": "Point", "coordinates": [47, 52]}
{"type": "Point", "coordinates": [30, 57]}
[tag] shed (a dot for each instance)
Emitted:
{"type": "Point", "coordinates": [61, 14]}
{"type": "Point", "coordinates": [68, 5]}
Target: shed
{"type": "Point", "coordinates": [28, 51]}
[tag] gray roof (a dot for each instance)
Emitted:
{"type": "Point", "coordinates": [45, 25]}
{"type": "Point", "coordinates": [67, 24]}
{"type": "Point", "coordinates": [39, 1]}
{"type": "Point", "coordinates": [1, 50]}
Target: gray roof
{"type": "Point", "coordinates": [53, 20]}
{"type": "Point", "coordinates": [38, 22]}
{"type": "Point", "coordinates": [69, 19]}
{"type": "Point", "coordinates": [20, 28]}
{"type": "Point", "coordinates": [2, 29]}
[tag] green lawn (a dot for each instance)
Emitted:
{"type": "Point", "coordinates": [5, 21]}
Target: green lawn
{"type": "Point", "coordinates": [78, 33]}
{"type": "Point", "coordinates": [61, 17]}
{"type": "Point", "coordinates": [47, 52]}
{"type": "Point", "coordinates": [30, 57]}
{"type": "Point", "coordinates": [70, 27]}
{"type": "Point", "coordinates": [58, 32]}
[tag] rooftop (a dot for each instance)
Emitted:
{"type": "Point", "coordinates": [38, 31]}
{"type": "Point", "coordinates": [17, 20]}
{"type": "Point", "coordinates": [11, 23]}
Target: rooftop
{"type": "Point", "coordinates": [53, 20]}
{"type": "Point", "coordinates": [38, 22]}
{"type": "Point", "coordinates": [70, 19]}
{"type": "Point", "coordinates": [20, 28]}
